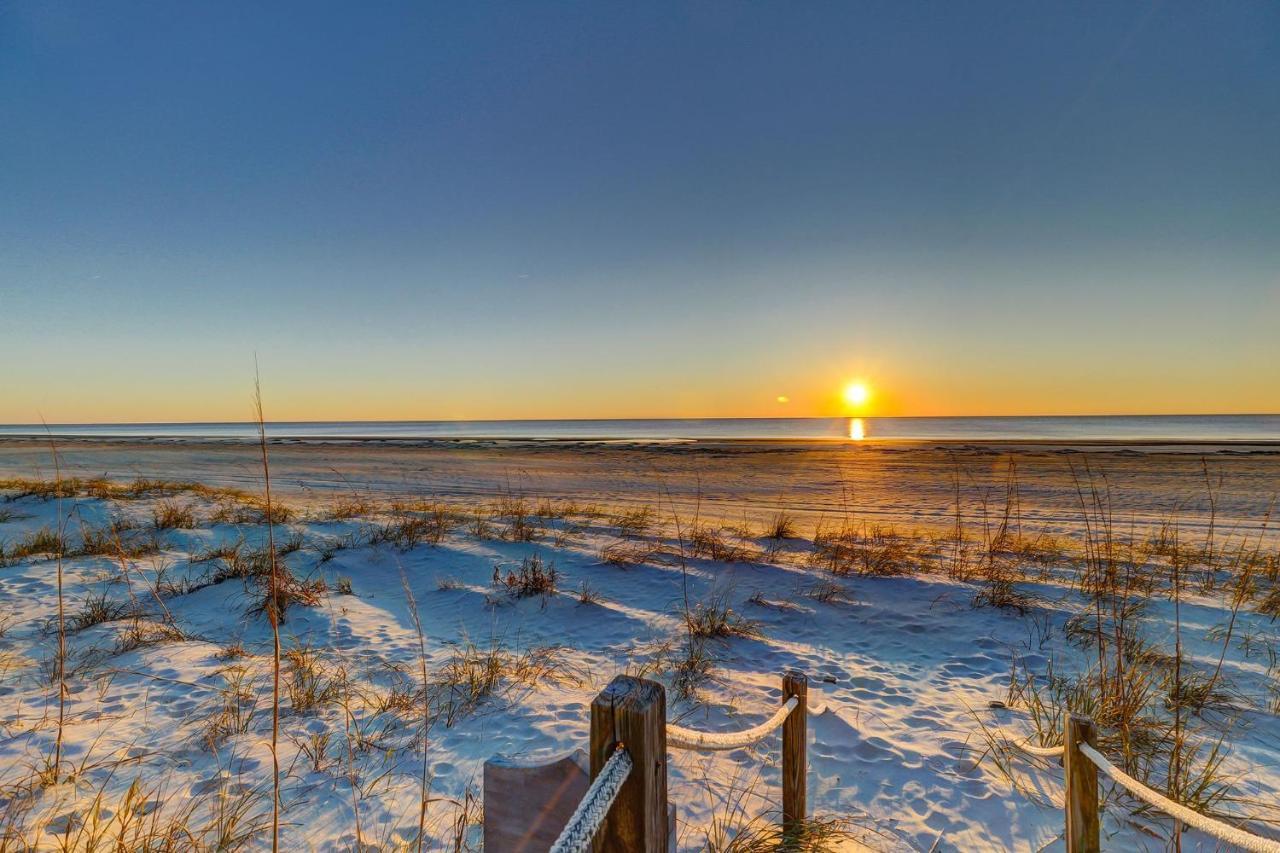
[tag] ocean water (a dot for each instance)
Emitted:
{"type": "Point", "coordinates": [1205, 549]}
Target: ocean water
{"type": "Point", "coordinates": [1172, 428]}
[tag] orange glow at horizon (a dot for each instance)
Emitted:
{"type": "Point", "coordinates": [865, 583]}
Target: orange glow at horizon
{"type": "Point", "coordinates": [895, 386]}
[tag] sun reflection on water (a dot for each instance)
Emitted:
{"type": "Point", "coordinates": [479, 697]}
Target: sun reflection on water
{"type": "Point", "coordinates": [857, 431]}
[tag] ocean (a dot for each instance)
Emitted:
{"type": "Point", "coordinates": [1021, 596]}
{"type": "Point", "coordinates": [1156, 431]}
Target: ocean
{"type": "Point", "coordinates": [1137, 428]}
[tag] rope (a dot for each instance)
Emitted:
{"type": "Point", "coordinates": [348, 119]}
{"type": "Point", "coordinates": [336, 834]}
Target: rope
{"type": "Point", "coordinates": [1216, 828]}
{"type": "Point", "coordinates": [590, 813]}
{"type": "Point", "coordinates": [682, 738]}
{"type": "Point", "coordinates": [1042, 751]}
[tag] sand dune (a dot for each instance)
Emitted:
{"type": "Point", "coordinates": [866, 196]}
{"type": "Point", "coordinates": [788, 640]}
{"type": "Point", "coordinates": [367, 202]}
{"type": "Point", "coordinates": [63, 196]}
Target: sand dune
{"type": "Point", "coordinates": [904, 668]}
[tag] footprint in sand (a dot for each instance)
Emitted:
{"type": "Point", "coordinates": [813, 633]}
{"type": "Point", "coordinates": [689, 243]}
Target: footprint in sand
{"type": "Point", "coordinates": [207, 786]}
{"type": "Point", "coordinates": [875, 749]}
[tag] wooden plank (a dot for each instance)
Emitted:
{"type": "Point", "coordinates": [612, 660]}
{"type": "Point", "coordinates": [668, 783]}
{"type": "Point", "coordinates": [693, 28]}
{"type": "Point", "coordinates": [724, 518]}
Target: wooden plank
{"type": "Point", "coordinates": [1082, 787]}
{"type": "Point", "coordinates": [795, 765]}
{"type": "Point", "coordinates": [633, 712]}
{"type": "Point", "coordinates": [527, 804]}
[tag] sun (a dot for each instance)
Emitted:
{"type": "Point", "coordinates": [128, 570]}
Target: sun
{"type": "Point", "coordinates": [857, 393]}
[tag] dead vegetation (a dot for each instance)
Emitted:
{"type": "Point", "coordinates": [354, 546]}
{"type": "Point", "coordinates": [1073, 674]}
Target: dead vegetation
{"type": "Point", "coordinates": [532, 578]}
{"type": "Point", "coordinates": [142, 633]}
{"type": "Point", "coordinates": [349, 507]}
{"type": "Point", "coordinates": [864, 549]}
{"type": "Point", "coordinates": [738, 824]}
{"type": "Point", "coordinates": [45, 542]}
{"type": "Point", "coordinates": [1166, 718]}
{"type": "Point", "coordinates": [103, 489]}
{"type": "Point", "coordinates": [277, 586]}
{"type": "Point", "coordinates": [171, 515]}
{"type": "Point", "coordinates": [692, 668]}
{"type": "Point", "coordinates": [414, 527]}
{"type": "Point", "coordinates": [635, 523]}
{"type": "Point", "coordinates": [824, 592]}
{"type": "Point", "coordinates": [710, 543]}
{"type": "Point", "coordinates": [474, 675]}
{"type": "Point", "coordinates": [236, 709]}
{"type": "Point", "coordinates": [782, 526]}
{"type": "Point", "coordinates": [310, 684]}
{"type": "Point", "coordinates": [522, 525]}
{"type": "Point", "coordinates": [715, 619]}
{"type": "Point", "coordinates": [1163, 718]}
{"type": "Point", "coordinates": [97, 609]}
{"type": "Point", "coordinates": [626, 554]}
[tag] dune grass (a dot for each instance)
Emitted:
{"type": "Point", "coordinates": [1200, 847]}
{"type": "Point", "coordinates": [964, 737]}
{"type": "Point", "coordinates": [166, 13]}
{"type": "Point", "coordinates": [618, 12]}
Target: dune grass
{"type": "Point", "coordinates": [1164, 717]}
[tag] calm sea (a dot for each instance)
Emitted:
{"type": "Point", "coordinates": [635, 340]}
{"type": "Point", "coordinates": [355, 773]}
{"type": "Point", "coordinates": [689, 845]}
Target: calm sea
{"type": "Point", "coordinates": [1179, 428]}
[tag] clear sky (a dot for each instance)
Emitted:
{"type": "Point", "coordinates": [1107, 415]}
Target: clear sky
{"type": "Point", "coordinates": [474, 210]}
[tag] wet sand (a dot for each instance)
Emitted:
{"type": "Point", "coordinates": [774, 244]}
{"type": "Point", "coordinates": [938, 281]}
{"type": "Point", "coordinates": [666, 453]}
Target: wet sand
{"type": "Point", "coordinates": [913, 484]}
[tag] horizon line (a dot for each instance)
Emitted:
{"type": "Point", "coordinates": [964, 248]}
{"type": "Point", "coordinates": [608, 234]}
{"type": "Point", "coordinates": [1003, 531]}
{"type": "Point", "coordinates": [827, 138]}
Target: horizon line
{"type": "Point", "coordinates": [43, 424]}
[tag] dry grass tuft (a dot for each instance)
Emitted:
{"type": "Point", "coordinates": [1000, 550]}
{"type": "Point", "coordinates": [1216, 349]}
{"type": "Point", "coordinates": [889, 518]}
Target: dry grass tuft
{"type": "Point", "coordinates": [588, 594]}
{"type": "Point", "coordinates": [473, 675]}
{"type": "Point", "coordinates": [45, 542]}
{"type": "Point", "coordinates": [634, 523]}
{"type": "Point", "coordinates": [233, 651]}
{"type": "Point", "coordinates": [708, 542]}
{"type": "Point", "coordinates": [171, 515]}
{"type": "Point", "coordinates": [715, 619]}
{"type": "Point", "coordinates": [693, 668]}
{"type": "Point", "coordinates": [241, 510]}
{"type": "Point", "coordinates": [878, 550]}
{"type": "Point", "coordinates": [825, 592]}
{"type": "Point", "coordinates": [627, 554]}
{"type": "Point", "coordinates": [310, 685]}
{"type": "Point", "coordinates": [534, 577]}
{"type": "Point", "coordinates": [236, 709]}
{"type": "Point", "coordinates": [116, 538]}
{"type": "Point", "coordinates": [284, 589]}
{"type": "Point", "coordinates": [764, 834]}
{"type": "Point", "coordinates": [412, 530]}
{"type": "Point", "coordinates": [98, 609]}
{"type": "Point", "coordinates": [999, 590]}
{"type": "Point", "coordinates": [781, 526]}
{"type": "Point", "coordinates": [522, 524]}
{"type": "Point", "coordinates": [143, 633]}
{"type": "Point", "coordinates": [479, 526]}
{"type": "Point", "coordinates": [355, 506]}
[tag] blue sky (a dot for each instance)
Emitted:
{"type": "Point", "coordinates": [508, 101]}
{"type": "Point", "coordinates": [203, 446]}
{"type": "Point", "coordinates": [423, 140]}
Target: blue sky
{"type": "Point", "coordinates": [685, 209]}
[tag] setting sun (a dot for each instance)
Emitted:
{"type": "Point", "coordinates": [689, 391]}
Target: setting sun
{"type": "Point", "coordinates": [857, 393]}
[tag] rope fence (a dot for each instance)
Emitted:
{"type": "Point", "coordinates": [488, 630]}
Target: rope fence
{"type": "Point", "coordinates": [1081, 804]}
{"type": "Point", "coordinates": [682, 738]}
{"type": "Point", "coordinates": [1040, 751]}
{"type": "Point", "coordinates": [1216, 828]}
{"type": "Point", "coordinates": [585, 822]}
{"type": "Point", "coordinates": [625, 808]}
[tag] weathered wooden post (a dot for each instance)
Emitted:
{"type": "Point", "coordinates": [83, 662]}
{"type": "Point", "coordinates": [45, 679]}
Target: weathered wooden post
{"type": "Point", "coordinates": [794, 753]}
{"type": "Point", "coordinates": [1082, 787]}
{"type": "Point", "coordinates": [633, 712]}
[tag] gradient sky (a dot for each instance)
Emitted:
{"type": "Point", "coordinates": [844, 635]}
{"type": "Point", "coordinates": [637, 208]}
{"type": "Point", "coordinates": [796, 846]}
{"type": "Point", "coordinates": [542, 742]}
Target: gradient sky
{"type": "Point", "coordinates": [472, 210]}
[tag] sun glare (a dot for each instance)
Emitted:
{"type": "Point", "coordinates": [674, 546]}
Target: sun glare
{"type": "Point", "coordinates": [857, 393]}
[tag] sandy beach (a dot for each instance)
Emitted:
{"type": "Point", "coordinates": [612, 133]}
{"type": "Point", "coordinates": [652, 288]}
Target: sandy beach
{"type": "Point", "coordinates": [649, 427]}
{"type": "Point", "coordinates": [922, 646]}
{"type": "Point", "coordinates": [912, 483]}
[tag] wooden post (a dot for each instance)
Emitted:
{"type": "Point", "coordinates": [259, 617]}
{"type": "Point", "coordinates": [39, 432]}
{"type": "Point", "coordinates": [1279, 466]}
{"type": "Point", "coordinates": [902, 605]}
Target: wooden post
{"type": "Point", "coordinates": [794, 750]}
{"type": "Point", "coordinates": [1082, 787]}
{"type": "Point", "coordinates": [633, 712]}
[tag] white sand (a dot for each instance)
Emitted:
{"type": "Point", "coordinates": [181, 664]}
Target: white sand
{"type": "Point", "coordinates": [901, 671]}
